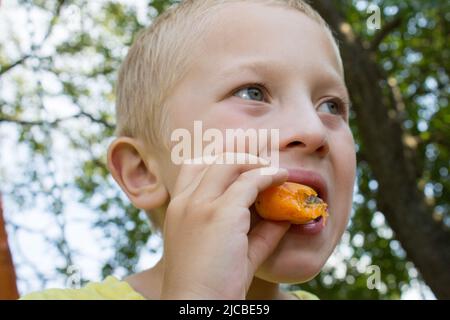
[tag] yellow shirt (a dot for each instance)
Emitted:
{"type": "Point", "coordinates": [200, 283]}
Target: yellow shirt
{"type": "Point", "coordinates": [111, 289]}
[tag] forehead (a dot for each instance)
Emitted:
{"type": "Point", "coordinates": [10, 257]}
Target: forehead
{"type": "Point", "coordinates": [251, 31]}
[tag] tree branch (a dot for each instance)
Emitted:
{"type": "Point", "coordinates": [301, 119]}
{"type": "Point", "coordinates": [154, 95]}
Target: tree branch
{"type": "Point", "coordinates": [52, 23]}
{"type": "Point", "coordinates": [14, 64]}
{"type": "Point", "coordinates": [57, 121]}
{"type": "Point", "coordinates": [94, 119]}
{"type": "Point", "coordinates": [35, 123]}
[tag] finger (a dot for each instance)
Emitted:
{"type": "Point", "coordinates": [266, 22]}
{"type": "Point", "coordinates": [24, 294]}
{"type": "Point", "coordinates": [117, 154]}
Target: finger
{"type": "Point", "coordinates": [245, 189]}
{"type": "Point", "coordinates": [190, 171]}
{"type": "Point", "coordinates": [262, 242]}
{"type": "Point", "coordinates": [220, 175]}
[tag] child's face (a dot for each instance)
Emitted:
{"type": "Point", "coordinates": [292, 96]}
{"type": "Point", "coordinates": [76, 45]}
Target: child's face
{"type": "Point", "coordinates": [301, 71]}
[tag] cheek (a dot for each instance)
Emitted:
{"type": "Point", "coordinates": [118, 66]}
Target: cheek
{"type": "Point", "coordinates": [169, 171]}
{"type": "Point", "coordinates": [217, 118]}
{"type": "Point", "coordinates": [228, 116]}
{"type": "Point", "coordinates": [343, 160]}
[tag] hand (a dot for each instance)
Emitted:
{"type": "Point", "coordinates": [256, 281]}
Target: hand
{"type": "Point", "coordinates": [209, 250]}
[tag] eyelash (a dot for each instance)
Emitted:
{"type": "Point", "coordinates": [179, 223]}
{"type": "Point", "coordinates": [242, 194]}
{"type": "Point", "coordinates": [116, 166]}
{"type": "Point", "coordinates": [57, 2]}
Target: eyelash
{"type": "Point", "coordinates": [260, 85]}
{"type": "Point", "coordinates": [342, 105]}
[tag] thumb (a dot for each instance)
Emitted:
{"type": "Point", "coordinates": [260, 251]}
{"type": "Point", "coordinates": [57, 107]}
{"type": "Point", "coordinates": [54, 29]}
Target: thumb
{"type": "Point", "coordinates": [262, 241]}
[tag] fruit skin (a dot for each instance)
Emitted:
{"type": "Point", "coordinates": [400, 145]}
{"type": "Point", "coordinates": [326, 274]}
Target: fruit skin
{"type": "Point", "coordinates": [291, 202]}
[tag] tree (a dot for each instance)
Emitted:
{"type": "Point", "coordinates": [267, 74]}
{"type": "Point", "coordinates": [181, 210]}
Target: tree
{"type": "Point", "coordinates": [8, 289]}
{"type": "Point", "coordinates": [57, 86]}
{"type": "Point", "coordinates": [395, 154]}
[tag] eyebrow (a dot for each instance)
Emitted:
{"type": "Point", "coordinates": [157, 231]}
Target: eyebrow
{"type": "Point", "coordinates": [256, 66]}
{"type": "Point", "coordinates": [339, 84]}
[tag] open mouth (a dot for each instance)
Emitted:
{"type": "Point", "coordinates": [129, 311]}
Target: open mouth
{"type": "Point", "coordinates": [311, 205]}
{"type": "Point", "coordinates": [311, 179]}
{"type": "Point", "coordinates": [312, 227]}
{"type": "Point", "coordinates": [318, 219]}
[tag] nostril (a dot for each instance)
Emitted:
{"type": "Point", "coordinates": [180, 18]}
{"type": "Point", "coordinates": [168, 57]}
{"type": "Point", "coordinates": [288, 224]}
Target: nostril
{"type": "Point", "coordinates": [295, 143]}
{"type": "Point", "coordinates": [323, 150]}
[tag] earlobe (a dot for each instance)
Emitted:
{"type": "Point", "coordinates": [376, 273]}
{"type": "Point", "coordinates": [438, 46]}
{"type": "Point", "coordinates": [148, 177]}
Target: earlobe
{"type": "Point", "coordinates": [137, 173]}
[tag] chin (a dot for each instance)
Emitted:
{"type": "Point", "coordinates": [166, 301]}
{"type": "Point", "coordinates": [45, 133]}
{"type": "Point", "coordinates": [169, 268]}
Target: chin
{"type": "Point", "coordinates": [298, 259]}
{"type": "Point", "coordinates": [293, 266]}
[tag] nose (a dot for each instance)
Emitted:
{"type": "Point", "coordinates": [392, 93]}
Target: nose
{"type": "Point", "coordinates": [303, 130]}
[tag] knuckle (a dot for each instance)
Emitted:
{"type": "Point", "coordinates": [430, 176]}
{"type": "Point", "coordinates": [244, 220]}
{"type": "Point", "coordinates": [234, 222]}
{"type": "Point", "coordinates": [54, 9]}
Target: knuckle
{"type": "Point", "coordinates": [246, 176]}
{"type": "Point", "coordinates": [251, 178]}
{"type": "Point", "coordinates": [194, 208]}
{"type": "Point", "coordinates": [193, 205]}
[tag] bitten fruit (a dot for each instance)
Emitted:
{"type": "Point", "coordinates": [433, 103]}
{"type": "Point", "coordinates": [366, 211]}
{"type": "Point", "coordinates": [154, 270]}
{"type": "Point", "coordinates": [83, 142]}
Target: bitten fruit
{"type": "Point", "coordinates": [293, 202]}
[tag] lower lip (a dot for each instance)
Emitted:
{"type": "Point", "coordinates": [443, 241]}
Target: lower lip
{"type": "Point", "coordinates": [307, 229]}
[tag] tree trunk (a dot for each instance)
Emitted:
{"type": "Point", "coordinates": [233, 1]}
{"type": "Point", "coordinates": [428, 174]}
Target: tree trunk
{"type": "Point", "coordinates": [8, 286]}
{"type": "Point", "coordinates": [425, 241]}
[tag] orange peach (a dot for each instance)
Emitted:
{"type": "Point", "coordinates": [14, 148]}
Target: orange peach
{"type": "Point", "coordinates": [293, 202]}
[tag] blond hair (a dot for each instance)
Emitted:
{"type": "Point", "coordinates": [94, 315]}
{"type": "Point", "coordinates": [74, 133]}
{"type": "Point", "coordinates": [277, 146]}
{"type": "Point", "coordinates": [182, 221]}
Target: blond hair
{"type": "Point", "coordinates": [159, 59]}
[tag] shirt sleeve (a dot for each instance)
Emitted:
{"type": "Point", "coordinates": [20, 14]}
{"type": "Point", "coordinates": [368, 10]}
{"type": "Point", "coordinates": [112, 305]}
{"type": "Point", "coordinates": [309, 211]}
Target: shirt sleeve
{"type": "Point", "coordinates": [109, 289]}
{"type": "Point", "coordinates": [304, 295]}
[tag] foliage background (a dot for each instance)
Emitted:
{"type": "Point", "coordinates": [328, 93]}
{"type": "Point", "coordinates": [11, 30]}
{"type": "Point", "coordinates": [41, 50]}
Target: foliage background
{"type": "Point", "coordinates": [58, 63]}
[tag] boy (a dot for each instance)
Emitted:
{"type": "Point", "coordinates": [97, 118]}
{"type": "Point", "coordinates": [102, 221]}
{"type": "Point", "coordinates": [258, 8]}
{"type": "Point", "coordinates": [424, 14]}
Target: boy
{"type": "Point", "coordinates": [254, 64]}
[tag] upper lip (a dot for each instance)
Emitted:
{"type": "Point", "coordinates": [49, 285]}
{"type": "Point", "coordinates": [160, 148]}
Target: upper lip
{"type": "Point", "coordinates": [311, 179]}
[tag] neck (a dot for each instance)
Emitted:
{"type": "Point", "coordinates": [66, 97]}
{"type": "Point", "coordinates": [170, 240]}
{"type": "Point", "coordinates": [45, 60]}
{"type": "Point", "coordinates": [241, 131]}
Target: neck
{"type": "Point", "coordinates": [149, 283]}
{"type": "Point", "coordinates": [264, 290]}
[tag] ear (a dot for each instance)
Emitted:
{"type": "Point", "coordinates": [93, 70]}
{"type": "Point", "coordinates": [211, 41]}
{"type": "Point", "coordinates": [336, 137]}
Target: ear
{"type": "Point", "coordinates": [137, 173]}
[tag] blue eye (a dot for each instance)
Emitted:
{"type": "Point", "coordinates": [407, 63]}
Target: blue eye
{"type": "Point", "coordinates": [251, 92]}
{"type": "Point", "coordinates": [331, 107]}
